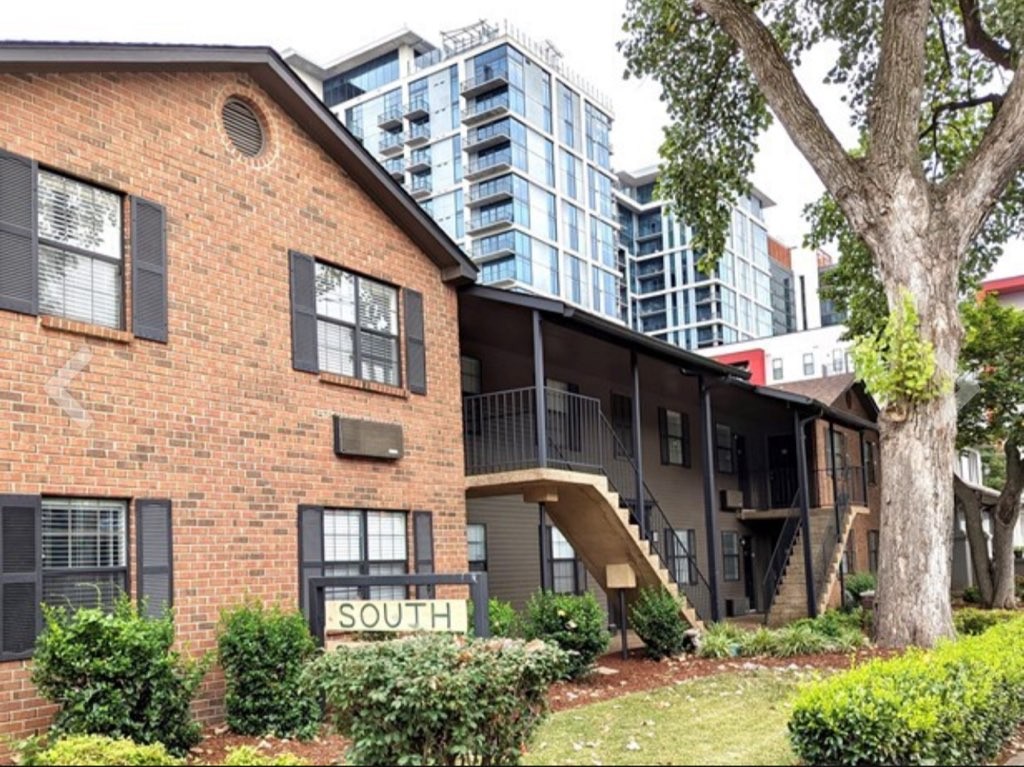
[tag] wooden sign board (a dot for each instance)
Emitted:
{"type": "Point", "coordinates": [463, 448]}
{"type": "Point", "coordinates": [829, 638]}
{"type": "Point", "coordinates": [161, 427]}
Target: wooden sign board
{"type": "Point", "coordinates": [399, 615]}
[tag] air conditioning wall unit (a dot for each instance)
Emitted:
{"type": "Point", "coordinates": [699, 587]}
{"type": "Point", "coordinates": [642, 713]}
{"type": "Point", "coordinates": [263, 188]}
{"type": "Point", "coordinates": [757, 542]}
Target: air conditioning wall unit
{"type": "Point", "coordinates": [732, 499]}
{"type": "Point", "coordinates": [355, 437]}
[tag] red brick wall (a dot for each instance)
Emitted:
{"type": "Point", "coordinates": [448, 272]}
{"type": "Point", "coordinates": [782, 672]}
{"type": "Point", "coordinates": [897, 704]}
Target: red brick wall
{"type": "Point", "coordinates": [216, 419]}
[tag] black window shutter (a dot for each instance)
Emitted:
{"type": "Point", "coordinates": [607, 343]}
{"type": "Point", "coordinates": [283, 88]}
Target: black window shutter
{"type": "Point", "coordinates": [415, 342]}
{"type": "Point", "coordinates": [155, 555]}
{"type": "Point", "coordinates": [303, 289]}
{"type": "Point", "coordinates": [19, 244]}
{"type": "Point", "coordinates": [663, 434]}
{"type": "Point", "coordinates": [311, 550]}
{"type": "Point", "coordinates": [149, 270]}
{"type": "Point", "coordinates": [581, 576]}
{"type": "Point", "coordinates": [423, 546]}
{"type": "Point", "coordinates": [685, 421]}
{"type": "Point", "coordinates": [21, 574]}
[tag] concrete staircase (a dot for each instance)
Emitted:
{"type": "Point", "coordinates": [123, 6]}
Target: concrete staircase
{"type": "Point", "coordinates": [791, 596]}
{"type": "Point", "coordinates": [589, 514]}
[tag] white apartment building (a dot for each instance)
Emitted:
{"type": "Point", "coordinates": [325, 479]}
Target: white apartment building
{"type": "Point", "coordinates": [507, 147]}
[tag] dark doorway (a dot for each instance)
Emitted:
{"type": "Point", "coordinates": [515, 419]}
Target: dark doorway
{"type": "Point", "coordinates": [743, 468]}
{"type": "Point", "coordinates": [747, 545]}
{"type": "Point", "coordinates": [782, 483]}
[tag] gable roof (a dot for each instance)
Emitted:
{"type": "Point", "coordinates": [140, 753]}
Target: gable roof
{"type": "Point", "coordinates": [831, 390]}
{"type": "Point", "coordinates": [266, 67]}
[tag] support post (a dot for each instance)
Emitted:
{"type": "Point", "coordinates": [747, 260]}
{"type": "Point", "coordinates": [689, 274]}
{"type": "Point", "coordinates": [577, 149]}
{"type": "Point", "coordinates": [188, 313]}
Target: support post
{"type": "Point", "coordinates": [545, 549]}
{"type": "Point", "coordinates": [863, 466]}
{"type": "Point", "coordinates": [539, 380]}
{"type": "Point", "coordinates": [835, 504]}
{"type": "Point", "coordinates": [805, 511]}
{"type": "Point", "coordinates": [638, 458]}
{"type": "Point", "coordinates": [481, 611]}
{"type": "Point", "coordinates": [624, 621]}
{"type": "Point", "coordinates": [707, 432]}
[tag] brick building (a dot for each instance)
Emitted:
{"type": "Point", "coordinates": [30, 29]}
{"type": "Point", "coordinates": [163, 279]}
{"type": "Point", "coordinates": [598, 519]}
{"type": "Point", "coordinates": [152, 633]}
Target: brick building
{"type": "Point", "coordinates": [199, 269]}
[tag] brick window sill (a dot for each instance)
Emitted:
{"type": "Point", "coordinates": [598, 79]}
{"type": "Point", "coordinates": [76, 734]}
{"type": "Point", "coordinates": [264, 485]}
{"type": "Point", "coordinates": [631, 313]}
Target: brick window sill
{"type": "Point", "coordinates": [333, 379]}
{"type": "Point", "coordinates": [85, 329]}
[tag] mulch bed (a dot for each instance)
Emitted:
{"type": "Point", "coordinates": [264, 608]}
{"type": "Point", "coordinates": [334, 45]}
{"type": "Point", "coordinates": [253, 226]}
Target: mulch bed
{"type": "Point", "coordinates": [639, 673]}
{"type": "Point", "coordinates": [1014, 748]}
{"type": "Point", "coordinates": [217, 741]}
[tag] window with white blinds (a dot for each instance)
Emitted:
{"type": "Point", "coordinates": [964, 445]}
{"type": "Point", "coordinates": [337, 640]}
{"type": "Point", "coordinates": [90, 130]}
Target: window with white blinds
{"type": "Point", "coordinates": [85, 561]}
{"type": "Point", "coordinates": [80, 251]}
{"type": "Point", "coordinates": [358, 542]}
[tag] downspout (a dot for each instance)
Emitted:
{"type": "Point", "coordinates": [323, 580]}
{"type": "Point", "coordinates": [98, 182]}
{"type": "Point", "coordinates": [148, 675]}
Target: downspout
{"type": "Point", "coordinates": [805, 509]}
{"type": "Point", "coordinates": [710, 517]}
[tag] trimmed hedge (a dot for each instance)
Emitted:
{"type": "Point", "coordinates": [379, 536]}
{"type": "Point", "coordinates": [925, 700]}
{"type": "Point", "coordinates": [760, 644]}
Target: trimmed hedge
{"type": "Point", "coordinates": [956, 704]}
{"type": "Point", "coordinates": [971, 621]}
{"type": "Point", "coordinates": [263, 652]}
{"type": "Point", "coordinates": [437, 699]}
{"type": "Point", "coordinates": [248, 756]}
{"type": "Point", "coordinates": [98, 751]}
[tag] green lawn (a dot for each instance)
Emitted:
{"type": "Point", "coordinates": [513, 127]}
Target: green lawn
{"type": "Point", "coordinates": [729, 719]}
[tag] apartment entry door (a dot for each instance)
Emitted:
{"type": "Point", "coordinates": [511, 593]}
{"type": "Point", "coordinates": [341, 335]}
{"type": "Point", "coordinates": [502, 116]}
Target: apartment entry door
{"type": "Point", "coordinates": [782, 482]}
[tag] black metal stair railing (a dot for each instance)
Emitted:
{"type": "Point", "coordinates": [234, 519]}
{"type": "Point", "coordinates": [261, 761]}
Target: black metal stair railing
{"type": "Point", "coordinates": [781, 556]}
{"type": "Point", "coordinates": [500, 431]}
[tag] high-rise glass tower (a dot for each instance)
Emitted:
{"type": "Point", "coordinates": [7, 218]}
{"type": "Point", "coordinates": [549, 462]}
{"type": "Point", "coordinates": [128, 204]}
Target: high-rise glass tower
{"type": "Point", "coordinates": [508, 149]}
{"type": "Point", "coordinates": [672, 299]}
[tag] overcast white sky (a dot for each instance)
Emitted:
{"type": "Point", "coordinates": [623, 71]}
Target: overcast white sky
{"type": "Point", "coordinates": [585, 33]}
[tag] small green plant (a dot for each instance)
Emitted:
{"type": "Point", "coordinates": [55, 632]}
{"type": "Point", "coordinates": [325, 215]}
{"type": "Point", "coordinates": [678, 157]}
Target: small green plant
{"type": "Point", "coordinates": [116, 675]}
{"type": "Point", "coordinates": [98, 750]}
{"type": "Point", "coordinates": [857, 583]}
{"type": "Point", "coordinates": [504, 620]}
{"type": "Point", "coordinates": [438, 699]}
{"type": "Point", "coordinates": [898, 367]}
{"type": "Point", "coordinates": [956, 704]}
{"type": "Point", "coordinates": [722, 640]}
{"type": "Point", "coordinates": [263, 652]}
{"type": "Point", "coordinates": [247, 756]}
{"type": "Point", "coordinates": [576, 624]}
{"type": "Point", "coordinates": [656, 619]}
{"type": "Point", "coordinates": [761, 642]}
{"type": "Point", "coordinates": [971, 595]}
{"type": "Point", "coordinates": [971, 621]}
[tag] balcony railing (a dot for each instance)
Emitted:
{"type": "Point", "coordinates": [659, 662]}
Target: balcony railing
{"type": "Point", "coordinates": [391, 142]}
{"type": "Point", "coordinates": [487, 79]}
{"type": "Point", "coordinates": [417, 108]}
{"type": "Point", "coordinates": [490, 163]}
{"type": "Point", "coordinates": [396, 167]}
{"type": "Point", "coordinates": [478, 111]}
{"type": "Point", "coordinates": [500, 431]}
{"type": "Point", "coordinates": [482, 221]}
{"type": "Point", "coordinates": [390, 118]}
{"type": "Point", "coordinates": [419, 133]}
{"type": "Point", "coordinates": [491, 191]}
{"type": "Point", "coordinates": [422, 186]}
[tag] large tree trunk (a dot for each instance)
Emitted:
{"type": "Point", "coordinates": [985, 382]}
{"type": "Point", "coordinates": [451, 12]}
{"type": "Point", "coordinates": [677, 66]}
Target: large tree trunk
{"type": "Point", "coordinates": [918, 440]}
{"type": "Point", "coordinates": [976, 540]}
{"type": "Point", "coordinates": [1004, 521]}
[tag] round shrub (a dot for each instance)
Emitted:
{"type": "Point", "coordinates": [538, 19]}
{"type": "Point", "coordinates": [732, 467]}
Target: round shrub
{"type": "Point", "coordinates": [971, 621]}
{"type": "Point", "coordinates": [100, 750]}
{"type": "Point", "coordinates": [247, 756]}
{"type": "Point", "coordinates": [576, 624]}
{"type": "Point", "coordinates": [263, 652]}
{"type": "Point", "coordinates": [656, 619]}
{"type": "Point", "coordinates": [857, 583]}
{"type": "Point", "coordinates": [438, 699]}
{"type": "Point", "coordinates": [115, 674]}
{"type": "Point", "coordinates": [971, 595]}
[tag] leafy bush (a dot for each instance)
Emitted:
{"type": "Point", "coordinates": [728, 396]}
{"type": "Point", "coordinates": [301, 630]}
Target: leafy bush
{"type": "Point", "coordinates": [954, 705]}
{"type": "Point", "coordinates": [263, 652]}
{"type": "Point", "coordinates": [438, 699]}
{"type": "Point", "coordinates": [760, 642]}
{"type": "Point", "coordinates": [1019, 583]}
{"type": "Point", "coordinates": [656, 619]}
{"type": "Point", "coordinates": [247, 756]}
{"type": "Point", "coordinates": [800, 639]}
{"type": "Point", "coordinates": [115, 674]}
{"type": "Point", "coordinates": [98, 750]}
{"type": "Point", "coordinates": [504, 619]}
{"type": "Point", "coordinates": [971, 621]}
{"type": "Point", "coordinates": [971, 595]}
{"type": "Point", "coordinates": [722, 640]}
{"type": "Point", "coordinates": [858, 583]}
{"type": "Point", "coordinates": [575, 623]}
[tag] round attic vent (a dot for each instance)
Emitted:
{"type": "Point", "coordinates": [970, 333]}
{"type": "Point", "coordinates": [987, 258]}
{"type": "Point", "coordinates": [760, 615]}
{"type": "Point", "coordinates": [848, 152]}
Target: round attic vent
{"type": "Point", "coordinates": [243, 127]}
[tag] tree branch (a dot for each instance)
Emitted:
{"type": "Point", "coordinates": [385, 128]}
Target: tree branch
{"type": "Point", "coordinates": [895, 112]}
{"type": "Point", "coordinates": [995, 99]}
{"type": "Point", "coordinates": [970, 194]}
{"type": "Point", "coordinates": [790, 103]}
{"type": "Point", "coordinates": [979, 40]}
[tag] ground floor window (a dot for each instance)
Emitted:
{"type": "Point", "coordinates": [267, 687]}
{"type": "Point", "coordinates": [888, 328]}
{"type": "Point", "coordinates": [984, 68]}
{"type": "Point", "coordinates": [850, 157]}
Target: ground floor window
{"type": "Point", "coordinates": [873, 551]}
{"type": "Point", "coordinates": [731, 555]}
{"type": "Point", "coordinates": [564, 572]}
{"type": "Point", "coordinates": [683, 555]}
{"type": "Point", "coordinates": [476, 543]}
{"type": "Point", "coordinates": [85, 551]}
{"type": "Point", "coordinates": [361, 542]}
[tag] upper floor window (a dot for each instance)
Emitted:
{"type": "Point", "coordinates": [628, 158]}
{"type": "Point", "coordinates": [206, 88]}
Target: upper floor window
{"type": "Point", "coordinates": [809, 364]}
{"type": "Point", "coordinates": [777, 371]}
{"type": "Point", "coordinates": [674, 431]}
{"type": "Point", "coordinates": [357, 326]}
{"type": "Point", "coordinates": [80, 251]}
{"type": "Point", "coordinates": [472, 375]}
{"type": "Point", "coordinates": [476, 551]}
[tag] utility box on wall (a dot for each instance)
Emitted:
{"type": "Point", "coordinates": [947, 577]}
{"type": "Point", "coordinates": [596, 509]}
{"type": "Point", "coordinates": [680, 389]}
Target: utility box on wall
{"type": "Point", "coordinates": [354, 437]}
